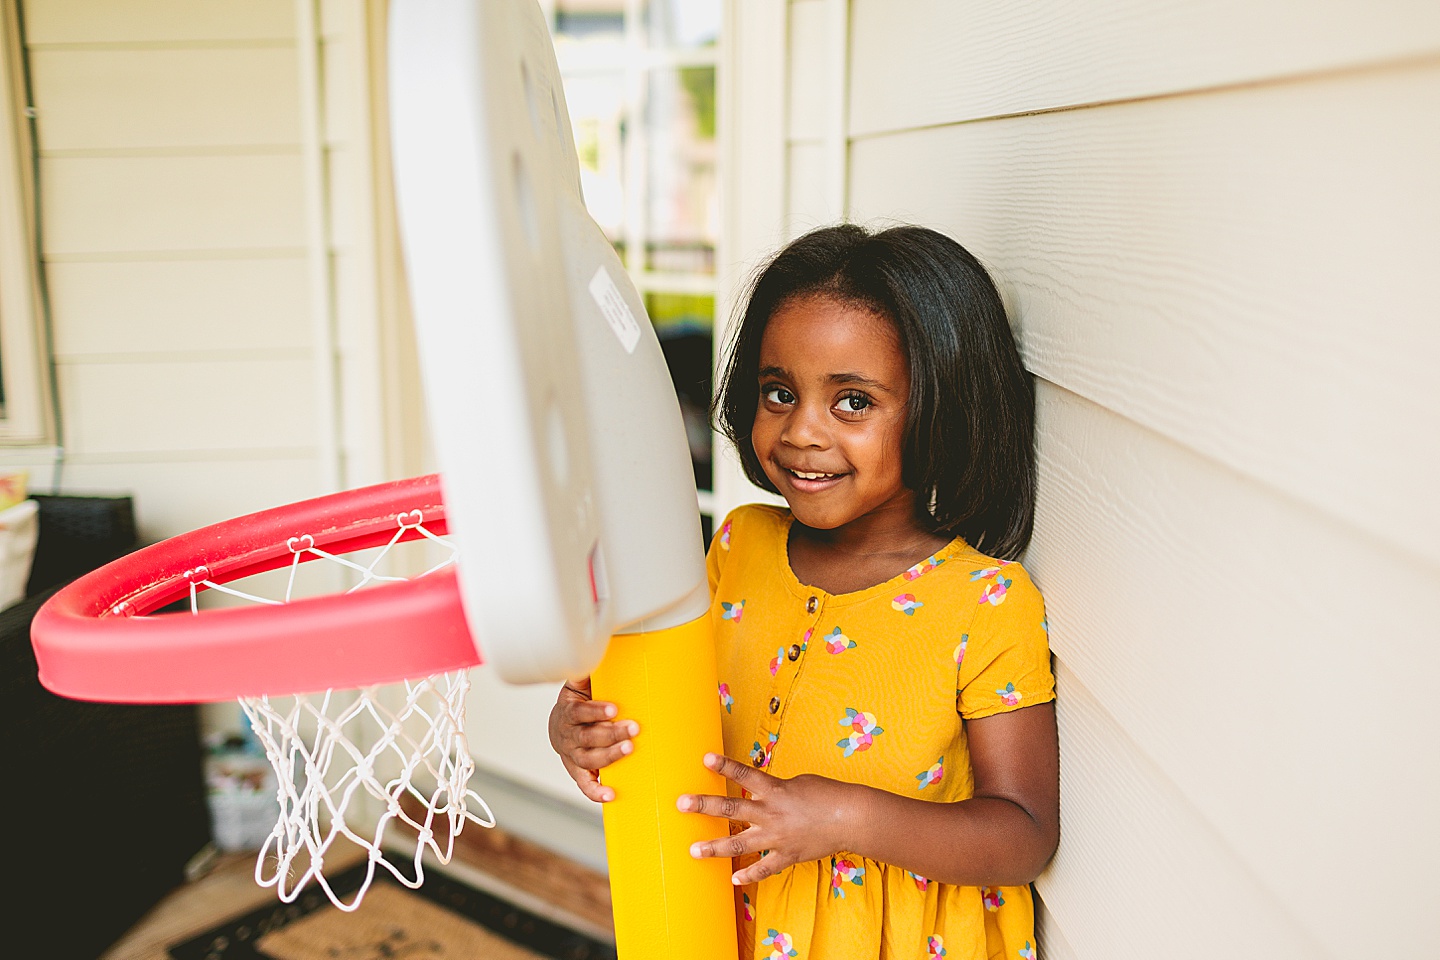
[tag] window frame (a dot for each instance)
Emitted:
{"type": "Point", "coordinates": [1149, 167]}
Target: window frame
{"type": "Point", "coordinates": [26, 417]}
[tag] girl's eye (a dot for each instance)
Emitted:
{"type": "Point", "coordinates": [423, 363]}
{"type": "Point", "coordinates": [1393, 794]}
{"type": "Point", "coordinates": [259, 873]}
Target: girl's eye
{"type": "Point", "coordinates": [778, 395]}
{"type": "Point", "coordinates": [854, 403]}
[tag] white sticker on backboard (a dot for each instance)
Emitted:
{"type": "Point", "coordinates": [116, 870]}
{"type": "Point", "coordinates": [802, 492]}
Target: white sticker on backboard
{"type": "Point", "coordinates": [616, 310]}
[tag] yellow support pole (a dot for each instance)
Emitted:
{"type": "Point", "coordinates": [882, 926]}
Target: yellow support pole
{"type": "Point", "coordinates": [667, 904]}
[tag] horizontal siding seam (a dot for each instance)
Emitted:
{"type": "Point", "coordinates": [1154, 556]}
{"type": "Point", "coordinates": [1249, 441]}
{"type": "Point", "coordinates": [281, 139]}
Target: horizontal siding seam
{"type": "Point", "coordinates": [1319, 511]}
{"type": "Point", "coordinates": [1066, 675]}
{"type": "Point", "coordinates": [1366, 68]}
{"type": "Point", "coordinates": [206, 253]}
{"type": "Point", "coordinates": [215, 355]}
{"type": "Point", "coordinates": [52, 46]}
{"type": "Point", "coordinates": [198, 455]}
{"type": "Point", "coordinates": [207, 150]}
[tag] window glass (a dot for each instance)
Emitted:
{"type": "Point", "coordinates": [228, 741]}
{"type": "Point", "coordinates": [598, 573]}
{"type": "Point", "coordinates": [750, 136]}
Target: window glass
{"type": "Point", "coordinates": [639, 81]}
{"type": "Point", "coordinates": [684, 323]}
{"type": "Point", "coordinates": [597, 112]}
{"type": "Point", "coordinates": [681, 207]}
{"type": "Point", "coordinates": [580, 20]}
{"type": "Point", "coordinates": [682, 24]}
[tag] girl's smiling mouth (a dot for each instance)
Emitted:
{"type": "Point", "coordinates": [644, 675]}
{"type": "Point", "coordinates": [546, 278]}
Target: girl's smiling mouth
{"type": "Point", "coordinates": [811, 481]}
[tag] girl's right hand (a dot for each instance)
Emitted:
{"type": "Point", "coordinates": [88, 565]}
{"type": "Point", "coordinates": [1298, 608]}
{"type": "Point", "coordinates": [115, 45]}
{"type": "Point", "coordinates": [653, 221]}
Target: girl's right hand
{"type": "Point", "coordinates": [588, 737]}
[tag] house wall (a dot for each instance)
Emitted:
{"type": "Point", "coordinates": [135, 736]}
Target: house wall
{"type": "Point", "coordinates": [1214, 225]}
{"type": "Point", "coordinates": [209, 253]}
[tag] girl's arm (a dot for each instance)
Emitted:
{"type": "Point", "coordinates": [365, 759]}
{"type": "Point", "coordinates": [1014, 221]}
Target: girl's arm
{"type": "Point", "coordinates": [1003, 836]}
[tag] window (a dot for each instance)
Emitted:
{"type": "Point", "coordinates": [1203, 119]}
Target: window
{"type": "Point", "coordinates": [639, 80]}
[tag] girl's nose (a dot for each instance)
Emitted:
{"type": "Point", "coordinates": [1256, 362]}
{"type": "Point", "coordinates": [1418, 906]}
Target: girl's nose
{"type": "Point", "coordinates": [805, 427]}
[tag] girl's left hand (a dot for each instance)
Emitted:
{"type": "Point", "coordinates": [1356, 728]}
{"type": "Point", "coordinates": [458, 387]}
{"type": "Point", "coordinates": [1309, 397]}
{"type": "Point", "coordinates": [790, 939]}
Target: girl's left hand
{"type": "Point", "coordinates": [790, 821]}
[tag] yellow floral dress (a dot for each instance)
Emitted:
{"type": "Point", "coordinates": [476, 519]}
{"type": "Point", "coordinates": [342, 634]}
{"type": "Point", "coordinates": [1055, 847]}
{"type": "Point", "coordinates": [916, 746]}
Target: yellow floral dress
{"type": "Point", "coordinates": [872, 687]}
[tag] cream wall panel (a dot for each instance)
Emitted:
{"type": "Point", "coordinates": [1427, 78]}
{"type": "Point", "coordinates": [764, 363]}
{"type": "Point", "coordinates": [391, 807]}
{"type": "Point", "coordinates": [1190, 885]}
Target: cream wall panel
{"type": "Point", "coordinates": [927, 62]}
{"type": "Point", "coordinates": [1247, 272]}
{"type": "Point", "coordinates": [348, 199]}
{"type": "Point", "coordinates": [1139, 874]}
{"type": "Point", "coordinates": [1050, 939]}
{"type": "Point", "coordinates": [174, 496]}
{"type": "Point", "coordinates": [809, 198]}
{"type": "Point", "coordinates": [1275, 665]}
{"type": "Point", "coordinates": [809, 71]}
{"type": "Point", "coordinates": [523, 753]}
{"type": "Point", "coordinates": [158, 21]}
{"type": "Point", "coordinates": [344, 98]}
{"type": "Point", "coordinates": [337, 17]}
{"type": "Point", "coordinates": [363, 418]}
{"type": "Point", "coordinates": [110, 99]}
{"type": "Point", "coordinates": [129, 204]}
{"type": "Point", "coordinates": [179, 305]}
{"type": "Point", "coordinates": [133, 408]}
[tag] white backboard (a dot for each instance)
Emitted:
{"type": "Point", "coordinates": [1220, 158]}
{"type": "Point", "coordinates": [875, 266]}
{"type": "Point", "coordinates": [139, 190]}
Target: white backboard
{"type": "Point", "coordinates": [559, 437]}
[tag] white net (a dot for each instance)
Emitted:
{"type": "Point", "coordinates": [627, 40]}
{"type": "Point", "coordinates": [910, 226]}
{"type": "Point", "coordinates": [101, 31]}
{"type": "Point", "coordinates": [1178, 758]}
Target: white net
{"type": "Point", "coordinates": [352, 764]}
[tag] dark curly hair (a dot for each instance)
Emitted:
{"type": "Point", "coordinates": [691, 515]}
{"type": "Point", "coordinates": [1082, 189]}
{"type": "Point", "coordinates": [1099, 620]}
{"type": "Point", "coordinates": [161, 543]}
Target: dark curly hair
{"type": "Point", "coordinates": [969, 440]}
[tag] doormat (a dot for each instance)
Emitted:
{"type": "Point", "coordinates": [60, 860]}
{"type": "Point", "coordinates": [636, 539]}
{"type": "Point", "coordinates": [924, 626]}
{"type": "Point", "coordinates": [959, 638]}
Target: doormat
{"type": "Point", "coordinates": [443, 920]}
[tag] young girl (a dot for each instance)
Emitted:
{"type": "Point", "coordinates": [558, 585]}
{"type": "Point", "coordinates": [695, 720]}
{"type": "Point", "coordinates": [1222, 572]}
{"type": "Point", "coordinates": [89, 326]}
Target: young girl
{"type": "Point", "coordinates": [885, 677]}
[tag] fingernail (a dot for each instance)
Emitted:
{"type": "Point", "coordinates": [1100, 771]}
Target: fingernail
{"type": "Point", "coordinates": [610, 710]}
{"type": "Point", "coordinates": [682, 803]}
{"type": "Point", "coordinates": [695, 850]}
{"type": "Point", "coordinates": [711, 759]}
{"type": "Point", "coordinates": [735, 879]}
{"type": "Point", "coordinates": [607, 796]}
{"type": "Point", "coordinates": [634, 728]}
{"type": "Point", "coordinates": [627, 747]}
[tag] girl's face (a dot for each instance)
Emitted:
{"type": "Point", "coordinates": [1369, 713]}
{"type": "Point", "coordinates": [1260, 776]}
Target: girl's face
{"type": "Point", "coordinates": [829, 426]}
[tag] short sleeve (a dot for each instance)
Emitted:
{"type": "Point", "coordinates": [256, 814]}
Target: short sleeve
{"type": "Point", "coordinates": [719, 551]}
{"type": "Point", "coordinates": [1004, 661]}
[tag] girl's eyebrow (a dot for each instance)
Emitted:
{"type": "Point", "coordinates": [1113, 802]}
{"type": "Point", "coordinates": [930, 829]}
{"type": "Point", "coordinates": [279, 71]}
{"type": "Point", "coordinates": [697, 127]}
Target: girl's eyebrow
{"type": "Point", "coordinates": [859, 380]}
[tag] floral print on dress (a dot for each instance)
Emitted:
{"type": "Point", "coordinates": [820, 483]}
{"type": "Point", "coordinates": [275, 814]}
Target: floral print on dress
{"type": "Point", "coordinates": [843, 872]}
{"type": "Point", "coordinates": [732, 611]}
{"type": "Point", "coordinates": [995, 590]}
{"type": "Point", "coordinates": [921, 883]}
{"type": "Point", "coordinates": [994, 593]}
{"type": "Point", "coordinates": [960, 649]}
{"type": "Point", "coordinates": [725, 536]}
{"type": "Point", "coordinates": [746, 907]}
{"type": "Point", "coordinates": [992, 898]}
{"type": "Point", "coordinates": [934, 775]}
{"type": "Point", "coordinates": [1026, 952]}
{"type": "Point", "coordinates": [726, 699]}
{"type": "Point", "coordinates": [922, 568]}
{"type": "Point", "coordinates": [906, 604]}
{"type": "Point", "coordinates": [776, 660]}
{"type": "Point", "coordinates": [837, 642]}
{"type": "Point", "coordinates": [760, 755]}
{"type": "Point", "coordinates": [805, 640]}
{"type": "Point", "coordinates": [863, 731]}
{"type": "Point", "coordinates": [1009, 695]}
{"type": "Point", "coordinates": [934, 948]}
{"type": "Point", "coordinates": [780, 944]}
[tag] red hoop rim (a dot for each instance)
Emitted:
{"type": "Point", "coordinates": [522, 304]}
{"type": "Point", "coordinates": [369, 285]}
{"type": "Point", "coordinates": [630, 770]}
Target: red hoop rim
{"type": "Point", "coordinates": [93, 641]}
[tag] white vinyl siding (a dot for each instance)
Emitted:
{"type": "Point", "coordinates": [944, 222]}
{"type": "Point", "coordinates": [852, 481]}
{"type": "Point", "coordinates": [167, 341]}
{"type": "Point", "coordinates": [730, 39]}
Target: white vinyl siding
{"type": "Point", "coordinates": [209, 212]}
{"type": "Point", "coordinates": [1214, 226]}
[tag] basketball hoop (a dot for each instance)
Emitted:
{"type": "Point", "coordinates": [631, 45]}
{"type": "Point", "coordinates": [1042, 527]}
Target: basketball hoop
{"type": "Point", "coordinates": [285, 659]}
{"type": "Point", "coordinates": [95, 639]}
